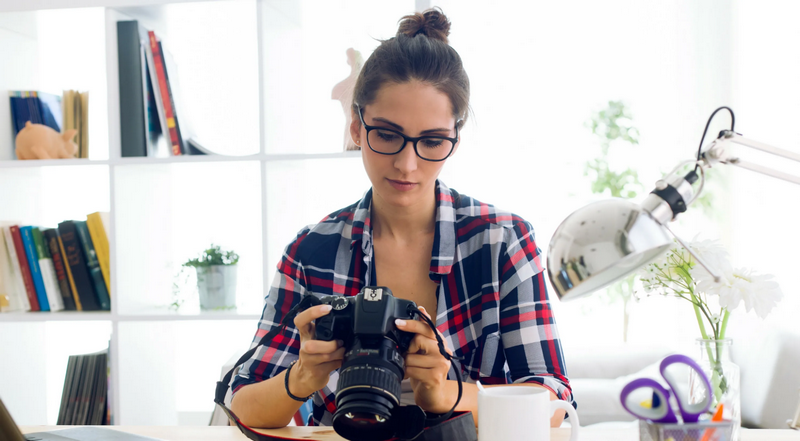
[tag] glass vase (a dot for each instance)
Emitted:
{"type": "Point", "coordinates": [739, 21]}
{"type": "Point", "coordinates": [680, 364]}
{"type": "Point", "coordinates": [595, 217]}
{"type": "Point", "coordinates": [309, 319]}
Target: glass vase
{"type": "Point", "coordinates": [723, 374]}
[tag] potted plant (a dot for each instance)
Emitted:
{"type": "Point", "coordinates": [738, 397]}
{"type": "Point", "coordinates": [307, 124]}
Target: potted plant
{"type": "Point", "coordinates": [216, 277]}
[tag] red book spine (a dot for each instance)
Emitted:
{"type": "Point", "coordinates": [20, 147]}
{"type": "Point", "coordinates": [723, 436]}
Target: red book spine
{"type": "Point", "coordinates": [169, 112]}
{"type": "Point", "coordinates": [27, 278]}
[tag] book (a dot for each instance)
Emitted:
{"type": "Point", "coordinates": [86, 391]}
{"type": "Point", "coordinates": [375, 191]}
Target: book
{"type": "Point", "coordinates": [53, 291]}
{"type": "Point", "coordinates": [51, 241]}
{"type": "Point", "coordinates": [12, 289]}
{"type": "Point", "coordinates": [33, 264]}
{"type": "Point", "coordinates": [171, 126]}
{"type": "Point", "coordinates": [68, 109]}
{"type": "Point", "coordinates": [73, 250]}
{"type": "Point", "coordinates": [30, 266]}
{"type": "Point", "coordinates": [170, 77]}
{"type": "Point", "coordinates": [83, 127]}
{"type": "Point", "coordinates": [70, 416]}
{"type": "Point", "coordinates": [132, 90]}
{"type": "Point", "coordinates": [17, 253]}
{"type": "Point", "coordinates": [97, 222]}
{"type": "Point", "coordinates": [93, 265]}
{"type": "Point", "coordinates": [75, 298]}
{"type": "Point", "coordinates": [36, 107]}
{"type": "Point", "coordinates": [66, 391]}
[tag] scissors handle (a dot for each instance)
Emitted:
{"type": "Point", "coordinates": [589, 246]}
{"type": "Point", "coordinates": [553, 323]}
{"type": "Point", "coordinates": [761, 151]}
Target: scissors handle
{"type": "Point", "coordinates": [658, 412]}
{"type": "Point", "coordinates": [689, 412]}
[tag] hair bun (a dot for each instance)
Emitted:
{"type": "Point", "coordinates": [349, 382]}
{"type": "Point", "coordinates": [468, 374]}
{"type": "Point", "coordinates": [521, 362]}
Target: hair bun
{"type": "Point", "coordinates": [431, 23]}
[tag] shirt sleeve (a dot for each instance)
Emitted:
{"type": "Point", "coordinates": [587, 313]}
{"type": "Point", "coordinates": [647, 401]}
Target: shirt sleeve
{"type": "Point", "coordinates": [527, 326]}
{"type": "Point", "coordinates": [288, 288]}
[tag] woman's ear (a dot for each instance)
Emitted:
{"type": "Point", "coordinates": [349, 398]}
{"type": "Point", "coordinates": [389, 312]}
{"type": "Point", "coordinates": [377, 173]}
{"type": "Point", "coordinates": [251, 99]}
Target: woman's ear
{"type": "Point", "coordinates": [355, 128]}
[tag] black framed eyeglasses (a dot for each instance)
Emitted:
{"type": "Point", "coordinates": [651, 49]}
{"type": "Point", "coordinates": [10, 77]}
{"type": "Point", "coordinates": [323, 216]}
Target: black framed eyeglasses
{"type": "Point", "coordinates": [391, 142]}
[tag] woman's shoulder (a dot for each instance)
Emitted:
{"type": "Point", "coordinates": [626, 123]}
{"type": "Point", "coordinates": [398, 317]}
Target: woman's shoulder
{"type": "Point", "coordinates": [472, 212]}
{"type": "Point", "coordinates": [330, 230]}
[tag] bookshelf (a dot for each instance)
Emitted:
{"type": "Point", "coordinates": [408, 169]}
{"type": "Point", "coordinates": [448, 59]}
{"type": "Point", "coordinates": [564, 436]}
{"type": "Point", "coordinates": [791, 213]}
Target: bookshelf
{"type": "Point", "coordinates": [259, 57]}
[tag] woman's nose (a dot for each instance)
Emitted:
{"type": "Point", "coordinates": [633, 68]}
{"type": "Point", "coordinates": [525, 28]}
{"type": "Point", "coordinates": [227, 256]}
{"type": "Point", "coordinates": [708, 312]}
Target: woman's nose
{"type": "Point", "coordinates": [406, 160]}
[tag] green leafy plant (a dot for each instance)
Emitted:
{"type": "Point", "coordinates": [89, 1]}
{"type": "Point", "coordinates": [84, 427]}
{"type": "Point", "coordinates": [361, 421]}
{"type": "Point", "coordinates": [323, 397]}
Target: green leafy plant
{"type": "Point", "coordinates": [614, 125]}
{"type": "Point", "coordinates": [214, 255]}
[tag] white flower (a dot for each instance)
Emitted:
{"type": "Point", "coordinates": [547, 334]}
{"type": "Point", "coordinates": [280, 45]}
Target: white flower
{"type": "Point", "coordinates": [711, 251]}
{"type": "Point", "coordinates": [758, 292]}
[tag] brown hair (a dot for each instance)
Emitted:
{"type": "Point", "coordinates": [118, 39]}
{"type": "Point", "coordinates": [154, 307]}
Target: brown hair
{"type": "Point", "coordinates": [418, 52]}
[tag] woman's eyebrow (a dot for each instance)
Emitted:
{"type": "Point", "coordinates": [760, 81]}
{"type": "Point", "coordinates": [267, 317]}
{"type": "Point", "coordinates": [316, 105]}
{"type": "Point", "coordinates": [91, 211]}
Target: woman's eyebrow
{"type": "Point", "coordinates": [400, 128]}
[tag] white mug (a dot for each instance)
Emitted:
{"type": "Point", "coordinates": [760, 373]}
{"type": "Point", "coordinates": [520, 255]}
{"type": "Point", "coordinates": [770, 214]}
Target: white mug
{"type": "Point", "coordinates": [519, 413]}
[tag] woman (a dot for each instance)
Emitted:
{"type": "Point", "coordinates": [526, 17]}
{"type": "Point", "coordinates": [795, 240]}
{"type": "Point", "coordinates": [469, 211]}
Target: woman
{"type": "Point", "coordinates": [476, 267]}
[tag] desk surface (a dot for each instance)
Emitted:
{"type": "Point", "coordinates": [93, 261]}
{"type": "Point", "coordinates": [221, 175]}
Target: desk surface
{"type": "Point", "coordinates": [226, 433]}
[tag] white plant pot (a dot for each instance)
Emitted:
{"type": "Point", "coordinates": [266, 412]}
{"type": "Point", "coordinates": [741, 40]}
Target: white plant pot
{"type": "Point", "coordinates": [216, 285]}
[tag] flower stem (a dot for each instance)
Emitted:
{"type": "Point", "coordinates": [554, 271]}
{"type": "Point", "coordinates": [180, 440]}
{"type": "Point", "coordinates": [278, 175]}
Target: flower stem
{"type": "Point", "coordinates": [724, 324]}
{"type": "Point", "coordinates": [699, 317]}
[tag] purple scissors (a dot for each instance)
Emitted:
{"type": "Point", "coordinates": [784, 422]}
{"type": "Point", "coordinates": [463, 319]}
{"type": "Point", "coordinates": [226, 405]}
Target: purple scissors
{"type": "Point", "coordinates": [661, 411]}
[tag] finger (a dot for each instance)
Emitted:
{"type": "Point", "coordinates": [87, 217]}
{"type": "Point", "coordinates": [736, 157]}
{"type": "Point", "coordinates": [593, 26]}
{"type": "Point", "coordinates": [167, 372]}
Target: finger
{"type": "Point", "coordinates": [319, 359]}
{"type": "Point", "coordinates": [416, 327]}
{"type": "Point", "coordinates": [313, 347]}
{"type": "Point", "coordinates": [424, 311]}
{"type": "Point", "coordinates": [425, 361]}
{"type": "Point", "coordinates": [421, 344]}
{"type": "Point", "coordinates": [304, 319]}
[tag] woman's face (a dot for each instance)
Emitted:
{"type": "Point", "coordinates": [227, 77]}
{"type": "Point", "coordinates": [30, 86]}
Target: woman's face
{"type": "Point", "coordinates": [414, 109]}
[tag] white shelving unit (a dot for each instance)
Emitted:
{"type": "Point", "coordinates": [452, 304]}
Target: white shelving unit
{"type": "Point", "coordinates": [265, 103]}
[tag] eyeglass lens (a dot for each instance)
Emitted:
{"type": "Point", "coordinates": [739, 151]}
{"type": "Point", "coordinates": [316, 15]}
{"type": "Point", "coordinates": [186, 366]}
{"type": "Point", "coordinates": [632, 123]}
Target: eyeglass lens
{"type": "Point", "coordinates": [389, 142]}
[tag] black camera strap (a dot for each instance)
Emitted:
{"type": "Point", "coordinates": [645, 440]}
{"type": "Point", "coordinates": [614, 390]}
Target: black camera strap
{"type": "Point", "coordinates": [307, 302]}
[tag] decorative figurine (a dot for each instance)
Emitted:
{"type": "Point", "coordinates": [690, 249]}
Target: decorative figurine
{"type": "Point", "coordinates": [38, 141]}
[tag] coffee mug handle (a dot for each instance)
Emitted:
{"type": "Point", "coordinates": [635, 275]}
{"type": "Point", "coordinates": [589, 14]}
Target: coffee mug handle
{"type": "Point", "coordinates": [573, 417]}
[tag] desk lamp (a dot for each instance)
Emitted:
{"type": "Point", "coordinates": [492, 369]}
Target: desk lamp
{"type": "Point", "coordinates": [606, 240]}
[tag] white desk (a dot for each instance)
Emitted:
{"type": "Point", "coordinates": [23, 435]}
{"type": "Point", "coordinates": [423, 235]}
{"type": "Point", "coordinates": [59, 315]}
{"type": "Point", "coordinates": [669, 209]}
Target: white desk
{"type": "Point", "coordinates": [226, 433]}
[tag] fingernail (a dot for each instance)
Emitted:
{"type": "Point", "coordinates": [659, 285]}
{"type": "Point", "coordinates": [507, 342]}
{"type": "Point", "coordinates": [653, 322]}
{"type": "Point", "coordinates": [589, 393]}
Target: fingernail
{"type": "Point", "coordinates": [326, 308]}
{"type": "Point", "coordinates": [400, 322]}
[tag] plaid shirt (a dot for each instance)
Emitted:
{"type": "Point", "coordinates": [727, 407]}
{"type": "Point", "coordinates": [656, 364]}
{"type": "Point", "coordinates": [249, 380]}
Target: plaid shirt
{"type": "Point", "coordinates": [493, 308]}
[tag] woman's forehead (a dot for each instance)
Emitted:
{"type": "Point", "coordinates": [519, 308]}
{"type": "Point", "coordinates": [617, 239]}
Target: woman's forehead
{"type": "Point", "coordinates": [412, 103]}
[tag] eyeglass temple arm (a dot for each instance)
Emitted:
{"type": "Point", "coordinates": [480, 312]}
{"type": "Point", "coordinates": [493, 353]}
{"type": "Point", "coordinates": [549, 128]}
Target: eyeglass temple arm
{"type": "Point", "coordinates": [718, 152]}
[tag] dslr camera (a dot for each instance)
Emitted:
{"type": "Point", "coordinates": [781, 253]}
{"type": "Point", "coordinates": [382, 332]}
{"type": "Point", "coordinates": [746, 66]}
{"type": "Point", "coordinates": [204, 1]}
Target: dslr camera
{"type": "Point", "coordinates": [368, 390]}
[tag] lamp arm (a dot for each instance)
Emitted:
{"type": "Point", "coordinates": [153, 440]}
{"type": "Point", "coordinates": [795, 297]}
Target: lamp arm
{"type": "Point", "coordinates": [697, 257]}
{"type": "Point", "coordinates": [717, 153]}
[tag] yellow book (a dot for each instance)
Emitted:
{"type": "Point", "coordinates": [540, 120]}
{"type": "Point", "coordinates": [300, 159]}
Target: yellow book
{"type": "Point", "coordinates": [69, 276]}
{"type": "Point", "coordinates": [95, 222]}
{"type": "Point", "coordinates": [83, 97]}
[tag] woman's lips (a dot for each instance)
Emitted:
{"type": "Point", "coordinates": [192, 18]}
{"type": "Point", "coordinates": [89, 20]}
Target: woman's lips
{"type": "Point", "coordinates": [402, 185]}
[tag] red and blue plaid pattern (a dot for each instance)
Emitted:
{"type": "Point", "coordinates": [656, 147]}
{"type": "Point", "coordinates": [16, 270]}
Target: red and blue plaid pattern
{"type": "Point", "coordinates": [493, 308]}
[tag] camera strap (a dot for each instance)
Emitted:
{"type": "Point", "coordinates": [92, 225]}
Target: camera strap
{"type": "Point", "coordinates": [307, 302]}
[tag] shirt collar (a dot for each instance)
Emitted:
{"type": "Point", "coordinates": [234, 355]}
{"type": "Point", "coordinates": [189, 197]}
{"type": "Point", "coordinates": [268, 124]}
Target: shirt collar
{"type": "Point", "coordinates": [444, 242]}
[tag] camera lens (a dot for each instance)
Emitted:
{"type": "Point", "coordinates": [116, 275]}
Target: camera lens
{"type": "Point", "coordinates": [368, 390]}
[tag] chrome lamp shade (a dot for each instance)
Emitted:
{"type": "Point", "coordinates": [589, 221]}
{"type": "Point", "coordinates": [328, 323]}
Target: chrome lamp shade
{"type": "Point", "coordinates": [602, 243]}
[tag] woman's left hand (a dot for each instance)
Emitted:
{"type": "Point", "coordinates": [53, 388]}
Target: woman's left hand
{"type": "Point", "coordinates": [425, 366]}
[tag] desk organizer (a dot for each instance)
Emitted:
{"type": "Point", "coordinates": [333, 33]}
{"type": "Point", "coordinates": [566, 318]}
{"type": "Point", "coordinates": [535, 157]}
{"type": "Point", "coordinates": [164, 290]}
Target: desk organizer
{"type": "Point", "coordinates": [704, 431]}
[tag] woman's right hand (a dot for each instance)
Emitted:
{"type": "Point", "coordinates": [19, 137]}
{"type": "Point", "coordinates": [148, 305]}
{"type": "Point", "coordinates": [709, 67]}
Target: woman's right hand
{"type": "Point", "coordinates": [317, 358]}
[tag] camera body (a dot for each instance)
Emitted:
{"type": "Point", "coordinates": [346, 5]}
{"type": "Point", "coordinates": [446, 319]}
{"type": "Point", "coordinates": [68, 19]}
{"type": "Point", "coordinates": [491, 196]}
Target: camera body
{"type": "Point", "coordinates": [370, 315]}
{"type": "Point", "coordinates": [368, 389]}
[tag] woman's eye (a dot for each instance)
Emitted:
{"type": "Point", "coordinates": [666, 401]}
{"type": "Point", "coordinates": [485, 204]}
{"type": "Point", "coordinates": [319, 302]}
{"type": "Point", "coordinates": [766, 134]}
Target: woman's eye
{"type": "Point", "coordinates": [432, 143]}
{"type": "Point", "coordinates": [387, 136]}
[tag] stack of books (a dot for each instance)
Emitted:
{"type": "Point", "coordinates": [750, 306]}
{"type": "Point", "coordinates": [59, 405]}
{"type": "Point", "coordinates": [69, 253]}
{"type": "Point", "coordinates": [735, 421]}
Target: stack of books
{"type": "Point", "coordinates": [84, 399]}
{"type": "Point", "coordinates": [55, 269]}
{"type": "Point", "coordinates": [60, 113]}
{"type": "Point", "coordinates": [149, 124]}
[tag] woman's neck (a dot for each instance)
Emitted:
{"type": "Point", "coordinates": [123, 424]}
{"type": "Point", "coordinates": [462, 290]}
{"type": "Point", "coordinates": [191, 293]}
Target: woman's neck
{"type": "Point", "coordinates": [403, 224]}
